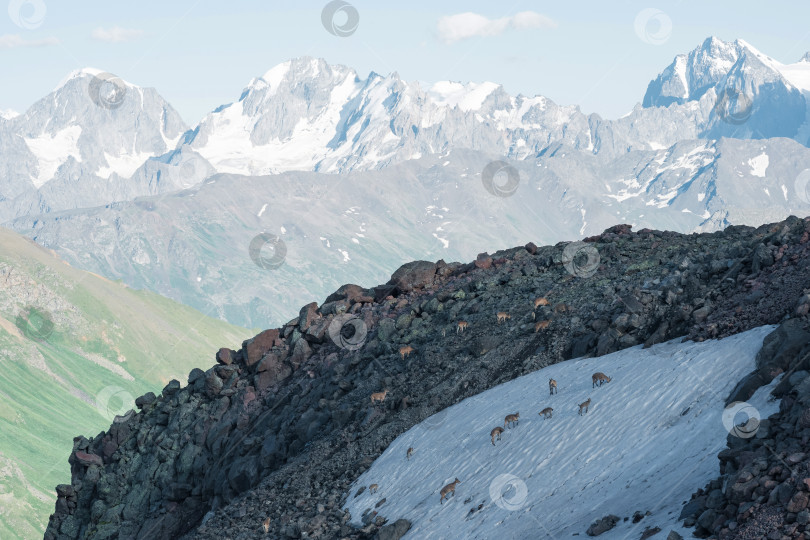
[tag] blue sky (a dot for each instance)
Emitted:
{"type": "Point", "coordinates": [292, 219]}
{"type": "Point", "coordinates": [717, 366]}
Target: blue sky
{"type": "Point", "coordinates": [200, 54]}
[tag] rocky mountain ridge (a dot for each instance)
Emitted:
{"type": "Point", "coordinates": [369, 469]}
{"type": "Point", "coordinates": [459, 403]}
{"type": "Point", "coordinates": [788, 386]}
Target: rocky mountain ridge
{"type": "Point", "coordinates": [280, 427]}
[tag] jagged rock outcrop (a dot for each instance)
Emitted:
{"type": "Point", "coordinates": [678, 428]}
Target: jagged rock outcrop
{"type": "Point", "coordinates": [281, 427]}
{"type": "Point", "coordinates": [764, 487]}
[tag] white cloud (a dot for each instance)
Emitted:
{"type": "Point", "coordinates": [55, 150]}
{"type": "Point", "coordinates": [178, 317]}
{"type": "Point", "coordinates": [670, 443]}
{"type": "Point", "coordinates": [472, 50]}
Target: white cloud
{"type": "Point", "coordinates": [13, 41]}
{"type": "Point", "coordinates": [116, 34]}
{"type": "Point", "coordinates": [466, 25]}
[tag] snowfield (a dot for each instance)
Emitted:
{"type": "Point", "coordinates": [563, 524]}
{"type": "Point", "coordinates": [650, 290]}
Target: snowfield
{"type": "Point", "coordinates": [650, 440]}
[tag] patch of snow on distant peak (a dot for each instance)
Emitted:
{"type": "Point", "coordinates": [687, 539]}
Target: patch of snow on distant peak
{"type": "Point", "coordinates": [275, 75]}
{"type": "Point", "coordinates": [124, 165]}
{"type": "Point", "coordinates": [8, 114]}
{"type": "Point", "coordinates": [759, 164]}
{"type": "Point", "coordinates": [467, 97]}
{"type": "Point", "coordinates": [680, 71]}
{"type": "Point", "coordinates": [52, 151]}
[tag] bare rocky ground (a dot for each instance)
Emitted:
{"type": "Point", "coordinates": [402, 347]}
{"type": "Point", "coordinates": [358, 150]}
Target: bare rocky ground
{"type": "Point", "coordinates": [277, 430]}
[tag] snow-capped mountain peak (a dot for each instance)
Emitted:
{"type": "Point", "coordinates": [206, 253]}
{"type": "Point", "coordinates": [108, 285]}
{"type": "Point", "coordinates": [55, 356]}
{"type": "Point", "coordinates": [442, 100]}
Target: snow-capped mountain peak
{"type": "Point", "coordinates": [467, 97]}
{"type": "Point", "coordinates": [86, 72]}
{"type": "Point", "coordinates": [79, 145]}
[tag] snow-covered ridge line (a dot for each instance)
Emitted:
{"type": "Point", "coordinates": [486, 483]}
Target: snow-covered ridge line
{"type": "Point", "coordinates": [650, 439]}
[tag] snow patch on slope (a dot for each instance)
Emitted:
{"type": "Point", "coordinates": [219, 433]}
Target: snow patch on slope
{"type": "Point", "coordinates": [52, 151]}
{"type": "Point", "coordinates": [759, 164]}
{"type": "Point", "coordinates": [124, 165]}
{"type": "Point", "coordinates": [650, 439]}
{"type": "Point", "coordinates": [467, 97]}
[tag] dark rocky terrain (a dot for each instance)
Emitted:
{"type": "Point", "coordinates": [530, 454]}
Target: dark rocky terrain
{"type": "Point", "coordinates": [281, 427]}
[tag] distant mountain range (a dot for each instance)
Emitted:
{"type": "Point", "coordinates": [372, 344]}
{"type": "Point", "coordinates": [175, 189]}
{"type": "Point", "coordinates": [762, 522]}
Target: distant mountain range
{"type": "Point", "coordinates": [721, 137]}
{"type": "Point", "coordinates": [73, 149]}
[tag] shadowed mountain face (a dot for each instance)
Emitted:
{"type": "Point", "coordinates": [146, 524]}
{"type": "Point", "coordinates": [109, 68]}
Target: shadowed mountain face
{"type": "Point", "coordinates": [75, 349]}
{"type": "Point", "coordinates": [284, 425]}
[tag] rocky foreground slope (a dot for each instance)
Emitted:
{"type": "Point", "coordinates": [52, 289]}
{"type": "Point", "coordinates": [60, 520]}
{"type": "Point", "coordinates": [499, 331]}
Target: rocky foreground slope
{"type": "Point", "coordinates": [280, 428]}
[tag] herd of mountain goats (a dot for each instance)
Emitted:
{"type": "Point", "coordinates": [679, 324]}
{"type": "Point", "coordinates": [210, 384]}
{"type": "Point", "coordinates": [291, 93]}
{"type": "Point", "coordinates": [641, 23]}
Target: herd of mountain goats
{"type": "Point", "coordinates": [511, 420]}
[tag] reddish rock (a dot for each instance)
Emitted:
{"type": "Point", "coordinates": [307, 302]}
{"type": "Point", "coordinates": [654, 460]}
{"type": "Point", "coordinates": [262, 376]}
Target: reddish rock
{"type": "Point", "coordinates": [307, 316]}
{"type": "Point", "coordinates": [346, 292]}
{"type": "Point", "coordinates": [316, 333]}
{"type": "Point", "coordinates": [622, 229]}
{"type": "Point", "coordinates": [362, 299]}
{"type": "Point", "coordinates": [798, 502]}
{"type": "Point", "coordinates": [531, 247]}
{"type": "Point", "coordinates": [89, 459]}
{"type": "Point", "coordinates": [225, 356]}
{"type": "Point", "coordinates": [483, 261]}
{"type": "Point", "coordinates": [274, 374]}
{"type": "Point", "coordinates": [412, 275]}
{"type": "Point", "coordinates": [256, 347]}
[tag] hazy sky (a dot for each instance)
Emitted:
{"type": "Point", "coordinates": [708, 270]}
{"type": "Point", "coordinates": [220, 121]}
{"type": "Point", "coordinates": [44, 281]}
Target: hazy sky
{"type": "Point", "coordinates": [200, 54]}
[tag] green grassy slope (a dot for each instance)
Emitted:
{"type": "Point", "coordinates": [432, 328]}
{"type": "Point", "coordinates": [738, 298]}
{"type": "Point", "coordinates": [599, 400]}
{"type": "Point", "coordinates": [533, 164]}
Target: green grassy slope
{"type": "Point", "coordinates": [75, 350]}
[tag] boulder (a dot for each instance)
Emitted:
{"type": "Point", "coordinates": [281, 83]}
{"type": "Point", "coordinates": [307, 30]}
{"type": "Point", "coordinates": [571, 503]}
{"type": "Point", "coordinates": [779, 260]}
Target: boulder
{"type": "Point", "coordinates": [87, 459]}
{"type": "Point", "coordinates": [745, 388]}
{"type": "Point", "coordinates": [172, 388]}
{"type": "Point", "coordinates": [395, 531]}
{"type": "Point", "coordinates": [256, 347]}
{"type": "Point", "coordinates": [413, 275]}
{"type": "Point", "coordinates": [347, 292]}
{"type": "Point", "coordinates": [307, 316]}
{"type": "Point", "coordinates": [225, 356]}
{"type": "Point", "coordinates": [195, 374]}
{"type": "Point", "coordinates": [316, 333]}
{"type": "Point", "coordinates": [301, 352]}
{"type": "Point", "coordinates": [213, 384]}
{"type": "Point", "coordinates": [798, 502]}
{"type": "Point", "coordinates": [602, 525]}
{"type": "Point", "coordinates": [272, 369]}
{"type": "Point", "coordinates": [145, 400]}
{"type": "Point", "coordinates": [483, 261]}
{"type": "Point", "coordinates": [780, 347]}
